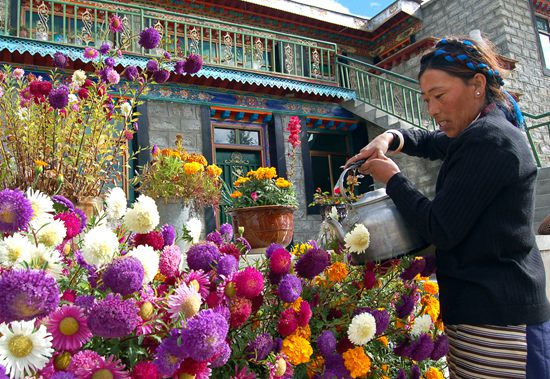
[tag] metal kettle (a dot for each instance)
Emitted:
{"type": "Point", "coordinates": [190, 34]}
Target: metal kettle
{"type": "Point", "coordinates": [390, 235]}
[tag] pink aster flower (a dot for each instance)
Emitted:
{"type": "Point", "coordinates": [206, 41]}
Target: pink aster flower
{"type": "Point", "coordinates": [113, 77]}
{"type": "Point", "coordinates": [170, 259]}
{"type": "Point", "coordinates": [186, 300]}
{"type": "Point", "coordinates": [254, 196]}
{"type": "Point", "coordinates": [240, 310]}
{"type": "Point", "coordinates": [109, 368]}
{"type": "Point", "coordinates": [83, 362]}
{"type": "Point", "coordinates": [69, 328]}
{"type": "Point", "coordinates": [90, 53]}
{"type": "Point", "coordinates": [249, 282]}
{"type": "Point", "coordinates": [115, 24]}
{"type": "Point", "coordinates": [200, 278]}
{"type": "Point", "coordinates": [18, 73]}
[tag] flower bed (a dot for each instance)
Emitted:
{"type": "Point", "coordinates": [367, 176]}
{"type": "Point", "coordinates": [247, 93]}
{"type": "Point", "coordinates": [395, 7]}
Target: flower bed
{"type": "Point", "coordinates": [115, 298]}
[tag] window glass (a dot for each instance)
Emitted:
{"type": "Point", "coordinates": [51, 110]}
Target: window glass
{"type": "Point", "coordinates": [545, 44]}
{"type": "Point", "coordinates": [327, 142]}
{"type": "Point", "coordinates": [321, 173]}
{"type": "Point", "coordinates": [542, 24]}
{"type": "Point", "coordinates": [226, 136]}
{"type": "Point", "coordinates": [250, 137]}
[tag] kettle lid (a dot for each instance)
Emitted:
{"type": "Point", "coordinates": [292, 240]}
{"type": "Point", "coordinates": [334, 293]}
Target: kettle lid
{"type": "Point", "coordinates": [372, 197]}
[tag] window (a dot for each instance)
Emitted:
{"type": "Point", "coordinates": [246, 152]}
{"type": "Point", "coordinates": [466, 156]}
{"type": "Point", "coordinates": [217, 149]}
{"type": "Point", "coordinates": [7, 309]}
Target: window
{"type": "Point", "coordinates": [329, 153]}
{"type": "Point", "coordinates": [543, 27]}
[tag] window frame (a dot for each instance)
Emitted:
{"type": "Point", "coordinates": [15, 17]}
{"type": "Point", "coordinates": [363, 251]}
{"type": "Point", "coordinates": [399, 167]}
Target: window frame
{"type": "Point", "coordinates": [545, 64]}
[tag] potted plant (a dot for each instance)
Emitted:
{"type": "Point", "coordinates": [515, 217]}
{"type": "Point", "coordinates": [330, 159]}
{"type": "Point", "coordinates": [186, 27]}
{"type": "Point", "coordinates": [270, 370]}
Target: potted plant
{"type": "Point", "coordinates": [179, 181]}
{"type": "Point", "coordinates": [263, 204]}
{"type": "Point", "coordinates": [336, 199]}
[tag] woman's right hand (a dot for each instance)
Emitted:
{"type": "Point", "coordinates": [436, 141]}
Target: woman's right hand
{"type": "Point", "coordinates": [377, 148]}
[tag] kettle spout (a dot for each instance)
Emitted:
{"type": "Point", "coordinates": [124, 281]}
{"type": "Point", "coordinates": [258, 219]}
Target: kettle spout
{"type": "Point", "coordinates": [338, 228]}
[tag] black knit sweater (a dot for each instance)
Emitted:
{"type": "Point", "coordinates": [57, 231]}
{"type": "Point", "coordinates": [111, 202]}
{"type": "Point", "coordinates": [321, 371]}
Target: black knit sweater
{"type": "Point", "coordinates": [489, 269]}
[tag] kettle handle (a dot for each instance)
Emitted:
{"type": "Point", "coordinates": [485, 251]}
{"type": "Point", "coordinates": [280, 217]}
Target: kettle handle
{"type": "Point", "coordinates": [340, 182]}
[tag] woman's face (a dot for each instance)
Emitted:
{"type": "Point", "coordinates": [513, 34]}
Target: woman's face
{"type": "Point", "coordinates": [453, 103]}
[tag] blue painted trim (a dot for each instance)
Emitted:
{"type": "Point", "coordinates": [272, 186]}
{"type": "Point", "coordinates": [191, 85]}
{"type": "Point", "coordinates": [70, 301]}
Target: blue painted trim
{"type": "Point", "coordinates": [75, 53]}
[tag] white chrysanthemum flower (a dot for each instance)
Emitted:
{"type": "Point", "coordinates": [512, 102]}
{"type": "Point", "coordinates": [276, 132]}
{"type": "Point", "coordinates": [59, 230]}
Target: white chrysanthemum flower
{"type": "Point", "coordinates": [24, 350]}
{"type": "Point", "coordinates": [149, 259]}
{"type": "Point", "coordinates": [45, 258]}
{"type": "Point", "coordinates": [52, 233]}
{"type": "Point", "coordinates": [23, 114]}
{"type": "Point", "coordinates": [194, 227]}
{"type": "Point", "coordinates": [362, 329]}
{"type": "Point", "coordinates": [358, 240]}
{"type": "Point", "coordinates": [40, 202]}
{"type": "Point", "coordinates": [116, 203]}
{"type": "Point", "coordinates": [185, 299]}
{"type": "Point", "coordinates": [73, 98]}
{"type": "Point", "coordinates": [143, 217]}
{"type": "Point", "coordinates": [126, 109]}
{"type": "Point", "coordinates": [100, 245]}
{"type": "Point", "coordinates": [421, 325]}
{"type": "Point", "coordinates": [333, 214]}
{"type": "Point", "coordinates": [15, 249]}
{"type": "Point", "coordinates": [79, 77]}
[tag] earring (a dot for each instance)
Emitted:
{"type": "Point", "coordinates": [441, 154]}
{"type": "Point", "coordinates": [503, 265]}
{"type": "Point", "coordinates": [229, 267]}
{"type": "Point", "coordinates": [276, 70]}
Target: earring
{"type": "Point", "coordinates": [478, 94]}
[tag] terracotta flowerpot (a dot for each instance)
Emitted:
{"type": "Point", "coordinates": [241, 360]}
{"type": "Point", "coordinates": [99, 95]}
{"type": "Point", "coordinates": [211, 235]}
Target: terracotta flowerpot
{"type": "Point", "coordinates": [266, 224]}
{"type": "Point", "coordinates": [91, 205]}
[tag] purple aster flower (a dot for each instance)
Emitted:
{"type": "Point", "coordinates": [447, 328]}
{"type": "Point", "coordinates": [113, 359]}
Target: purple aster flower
{"type": "Point", "coordinates": [382, 318]}
{"type": "Point", "coordinates": [90, 53]}
{"type": "Point", "coordinates": [115, 24]}
{"type": "Point", "coordinates": [422, 347]}
{"type": "Point", "coordinates": [290, 288]}
{"type": "Point", "coordinates": [61, 375]}
{"type": "Point", "coordinates": [63, 201]}
{"type": "Point", "coordinates": [110, 61]}
{"type": "Point", "coordinates": [152, 65]}
{"type": "Point", "coordinates": [222, 356]}
{"type": "Point", "coordinates": [227, 265]}
{"type": "Point", "coordinates": [169, 354]}
{"type": "Point", "coordinates": [431, 265]}
{"type": "Point", "coordinates": [244, 244]}
{"type": "Point", "coordinates": [149, 38]}
{"type": "Point", "coordinates": [260, 348]}
{"type": "Point", "coordinates": [273, 247]}
{"type": "Point", "coordinates": [178, 67]}
{"type": "Point", "coordinates": [27, 294]}
{"type": "Point", "coordinates": [83, 219]}
{"type": "Point", "coordinates": [274, 278]}
{"type": "Point", "coordinates": [226, 230]}
{"type": "Point", "coordinates": [161, 76]}
{"type": "Point", "coordinates": [335, 367]}
{"type": "Point", "coordinates": [155, 150]}
{"type": "Point", "coordinates": [113, 317]}
{"type": "Point", "coordinates": [59, 97]}
{"type": "Point", "coordinates": [441, 347]}
{"type": "Point", "coordinates": [326, 343]}
{"type": "Point", "coordinates": [192, 64]}
{"type": "Point", "coordinates": [312, 263]}
{"type": "Point", "coordinates": [277, 345]}
{"type": "Point", "coordinates": [168, 234]}
{"type": "Point", "coordinates": [404, 347]}
{"type": "Point", "coordinates": [204, 335]}
{"type": "Point", "coordinates": [15, 211]}
{"type": "Point", "coordinates": [3, 373]}
{"type": "Point", "coordinates": [203, 256]}
{"type": "Point", "coordinates": [215, 237]}
{"type": "Point", "coordinates": [416, 267]}
{"type": "Point", "coordinates": [167, 55]}
{"type": "Point", "coordinates": [124, 275]}
{"type": "Point", "coordinates": [85, 302]}
{"type": "Point", "coordinates": [105, 47]}
{"type": "Point", "coordinates": [60, 60]}
{"type": "Point", "coordinates": [405, 306]}
{"type": "Point", "coordinates": [401, 374]}
{"type": "Point", "coordinates": [415, 372]}
{"type": "Point", "coordinates": [131, 73]}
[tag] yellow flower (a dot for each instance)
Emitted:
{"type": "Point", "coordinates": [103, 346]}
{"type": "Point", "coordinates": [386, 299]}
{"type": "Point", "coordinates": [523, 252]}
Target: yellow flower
{"type": "Point", "coordinates": [197, 158]}
{"type": "Point", "coordinates": [303, 331]}
{"type": "Point", "coordinates": [251, 173]}
{"type": "Point", "coordinates": [240, 180]}
{"type": "Point", "coordinates": [433, 373]}
{"type": "Point", "coordinates": [297, 304]}
{"type": "Point", "coordinates": [337, 272]}
{"type": "Point", "coordinates": [385, 368]}
{"type": "Point", "coordinates": [357, 362]}
{"type": "Point", "coordinates": [300, 249]}
{"type": "Point", "coordinates": [236, 194]}
{"type": "Point", "coordinates": [192, 168]}
{"type": "Point", "coordinates": [297, 349]}
{"type": "Point", "coordinates": [383, 340]}
{"type": "Point", "coordinates": [265, 173]}
{"type": "Point", "coordinates": [40, 163]}
{"type": "Point", "coordinates": [431, 287]}
{"type": "Point", "coordinates": [213, 170]}
{"type": "Point", "coordinates": [167, 152]}
{"type": "Point", "coordinates": [282, 183]}
{"type": "Point", "coordinates": [431, 305]}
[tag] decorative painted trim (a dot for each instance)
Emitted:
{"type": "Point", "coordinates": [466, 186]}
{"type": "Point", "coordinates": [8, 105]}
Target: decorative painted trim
{"type": "Point", "coordinates": [542, 7]}
{"type": "Point", "coordinates": [75, 53]}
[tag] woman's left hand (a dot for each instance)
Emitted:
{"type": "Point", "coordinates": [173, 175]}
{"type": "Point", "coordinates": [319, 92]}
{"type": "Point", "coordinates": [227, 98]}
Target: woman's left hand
{"type": "Point", "coordinates": [380, 168]}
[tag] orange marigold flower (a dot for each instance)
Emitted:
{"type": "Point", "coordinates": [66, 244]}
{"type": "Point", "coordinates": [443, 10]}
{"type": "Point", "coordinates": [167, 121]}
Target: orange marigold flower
{"type": "Point", "coordinates": [433, 373]}
{"type": "Point", "coordinates": [198, 158]}
{"type": "Point", "coordinates": [192, 168]}
{"type": "Point", "coordinates": [357, 362]}
{"type": "Point", "coordinates": [297, 349]}
{"type": "Point", "coordinates": [431, 305]}
{"type": "Point", "coordinates": [383, 340]}
{"type": "Point", "coordinates": [282, 183]}
{"type": "Point", "coordinates": [431, 287]}
{"type": "Point", "coordinates": [213, 170]}
{"type": "Point", "coordinates": [296, 305]}
{"type": "Point", "coordinates": [315, 366]}
{"type": "Point", "coordinates": [303, 331]}
{"type": "Point", "coordinates": [240, 181]}
{"type": "Point", "coordinates": [40, 163]}
{"type": "Point", "coordinates": [236, 194]}
{"type": "Point", "coordinates": [385, 368]}
{"type": "Point", "coordinates": [337, 272]}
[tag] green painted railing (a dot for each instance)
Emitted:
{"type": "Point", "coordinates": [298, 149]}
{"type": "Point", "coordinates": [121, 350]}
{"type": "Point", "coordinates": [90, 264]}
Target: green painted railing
{"type": "Point", "coordinates": [538, 134]}
{"type": "Point", "coordinates": [388, 91]}
{"type": "Point", "coordinates": [219, 43]}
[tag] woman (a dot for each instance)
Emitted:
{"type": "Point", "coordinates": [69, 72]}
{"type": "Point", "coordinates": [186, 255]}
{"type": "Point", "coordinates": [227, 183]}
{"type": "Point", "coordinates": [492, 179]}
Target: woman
{"type": "Point", "coordinates": [490, 272]}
